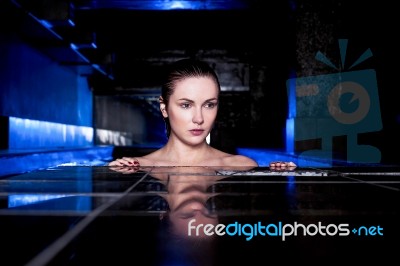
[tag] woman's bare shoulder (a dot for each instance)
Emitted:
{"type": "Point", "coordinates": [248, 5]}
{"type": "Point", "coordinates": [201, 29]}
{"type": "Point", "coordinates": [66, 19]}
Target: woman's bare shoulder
{"type": "Point", "coordinates": [151, 159]}
{"type": "Point", "coordinates": [240, 160]}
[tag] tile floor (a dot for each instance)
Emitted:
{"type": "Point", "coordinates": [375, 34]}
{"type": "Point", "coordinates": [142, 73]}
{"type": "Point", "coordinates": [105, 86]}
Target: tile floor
{"type": "Point", "coordinates": [94, 215]}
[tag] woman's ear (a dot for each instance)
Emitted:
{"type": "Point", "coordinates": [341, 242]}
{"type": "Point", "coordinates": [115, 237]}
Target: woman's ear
{"type": "Point", "coordinates": [163, 107]}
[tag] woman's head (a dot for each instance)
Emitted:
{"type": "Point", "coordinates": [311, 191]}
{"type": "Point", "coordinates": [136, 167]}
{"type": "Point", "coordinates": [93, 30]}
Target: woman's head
{"type": "Point", "coordinates": [189, 97]}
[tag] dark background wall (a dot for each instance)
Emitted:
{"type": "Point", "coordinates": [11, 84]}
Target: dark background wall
{"type": "Point", "coordinates": [43, 104]}
{"type": "Point", "coordinates": [35, 87]}
{"type": "Point", "coordinates": [254, 51]}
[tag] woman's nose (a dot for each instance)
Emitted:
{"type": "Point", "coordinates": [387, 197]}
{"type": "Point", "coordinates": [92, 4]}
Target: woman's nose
{"type": "Point", "coordinates": [198, 117]}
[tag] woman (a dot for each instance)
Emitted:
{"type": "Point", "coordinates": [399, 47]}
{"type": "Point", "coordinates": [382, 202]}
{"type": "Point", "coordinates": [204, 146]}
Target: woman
{"type": "Point", "coordinates": [189, 104]}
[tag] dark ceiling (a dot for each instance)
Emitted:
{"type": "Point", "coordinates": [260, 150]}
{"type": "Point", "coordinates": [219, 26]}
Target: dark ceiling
{"type": "Point", "coordinates": [112, 39]}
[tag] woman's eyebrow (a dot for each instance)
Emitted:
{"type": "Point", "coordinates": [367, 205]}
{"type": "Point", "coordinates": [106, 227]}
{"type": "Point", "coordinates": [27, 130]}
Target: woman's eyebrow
{"type": "Point", "coordinates": [185, 99]}
{"type": "Point", "coordinates": [188, 100]}
{"type": "Point", "coordinates": [212, 99]}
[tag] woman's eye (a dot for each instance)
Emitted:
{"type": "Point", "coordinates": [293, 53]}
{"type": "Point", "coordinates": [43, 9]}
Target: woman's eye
{"type": "Point", "coordinates": [185, 105]}
{"type": "Point", "coordinates": [210, 105]}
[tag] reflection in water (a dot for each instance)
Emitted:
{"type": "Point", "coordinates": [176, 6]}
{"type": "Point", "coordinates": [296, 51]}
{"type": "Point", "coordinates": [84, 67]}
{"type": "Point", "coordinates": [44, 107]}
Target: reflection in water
{"type": "Point", "coordinates": [188, 197]}
{"type": "Point", "coordinates": [187, 228]}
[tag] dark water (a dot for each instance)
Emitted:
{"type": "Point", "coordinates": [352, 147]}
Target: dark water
{"type": "Point", "coordinates": [81, 215]}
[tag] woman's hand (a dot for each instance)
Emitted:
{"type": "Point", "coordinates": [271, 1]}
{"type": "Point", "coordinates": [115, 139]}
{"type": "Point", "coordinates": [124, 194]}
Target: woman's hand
{"type": "Point", "coordinates": [125, 161]}
{"type": "Point", "coordinates": [125, 165]}
{"type": "Point", "coordinates": [279, 165]}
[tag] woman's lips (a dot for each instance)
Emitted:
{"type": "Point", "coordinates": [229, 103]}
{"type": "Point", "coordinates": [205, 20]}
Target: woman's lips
{"type": "Point", "coordinates": [196, 132]}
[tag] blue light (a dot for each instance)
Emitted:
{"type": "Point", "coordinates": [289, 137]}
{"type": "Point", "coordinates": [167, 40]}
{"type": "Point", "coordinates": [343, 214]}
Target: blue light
{"type": "Point", "coordinates": [290, 126]}
{"type": "Point", "coordinates": [27, 134]}
{"type": "Point", "coordinates": [198, 5]}
{"type": "Point", "coordinates": [167, 4]}
{"type": "Point", "coordinates": [264, 156]}
{"type": "Point", "coordinates": [71, 23]}
{"type": "Point", "coordinates": [291, 92]}
{"type": "Point", "coordinates": [290, 135]}
{"type": "Point", "coordinates": [74, 46]}
{"type": "Point", "coordinates": [178, 5]}
{"type": "Point", "coordinates": [46, 24]}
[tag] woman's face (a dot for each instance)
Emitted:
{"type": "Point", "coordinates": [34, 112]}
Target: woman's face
{"type": "Point", "coordinates": [192, 109]}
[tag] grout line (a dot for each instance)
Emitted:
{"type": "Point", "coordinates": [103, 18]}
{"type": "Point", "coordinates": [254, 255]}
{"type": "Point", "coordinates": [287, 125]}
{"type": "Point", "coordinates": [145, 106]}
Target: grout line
{"type": "Point", "coordinates": [373, 183]}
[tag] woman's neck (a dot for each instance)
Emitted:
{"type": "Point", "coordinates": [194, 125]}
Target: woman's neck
{"type": "Point", "coordinates": [187, 155]}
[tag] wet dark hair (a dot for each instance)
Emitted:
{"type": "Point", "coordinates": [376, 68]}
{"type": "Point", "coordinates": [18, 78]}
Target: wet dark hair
{"type": "Point", "coordinates": [182, 69]}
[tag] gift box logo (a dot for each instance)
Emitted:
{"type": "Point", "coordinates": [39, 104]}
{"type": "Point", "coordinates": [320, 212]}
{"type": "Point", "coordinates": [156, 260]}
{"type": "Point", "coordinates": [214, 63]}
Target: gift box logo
{"type": "Point", "coordinates": [339, 104]}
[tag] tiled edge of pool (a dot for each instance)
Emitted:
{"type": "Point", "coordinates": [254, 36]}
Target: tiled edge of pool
{"type": "Point", "coordinates": [12, 163]}
{"type": "Point", "coordinates": [21, 162]}
{"type": "Point", "coordinates": [264, 156]}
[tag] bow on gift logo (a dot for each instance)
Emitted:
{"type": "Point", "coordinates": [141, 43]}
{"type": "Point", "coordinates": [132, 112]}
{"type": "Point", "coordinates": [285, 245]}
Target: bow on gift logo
{"type": "Point", "coordinates": [345, 103]}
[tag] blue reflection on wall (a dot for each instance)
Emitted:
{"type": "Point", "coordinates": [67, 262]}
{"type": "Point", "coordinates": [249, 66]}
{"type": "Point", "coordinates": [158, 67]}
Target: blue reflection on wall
{"type": "Point", "coordinates": [291, 90]}
{"type": "Point", "coordinates": [264, 156]}
{"type": "Point", "coordinates": [27, 133]}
